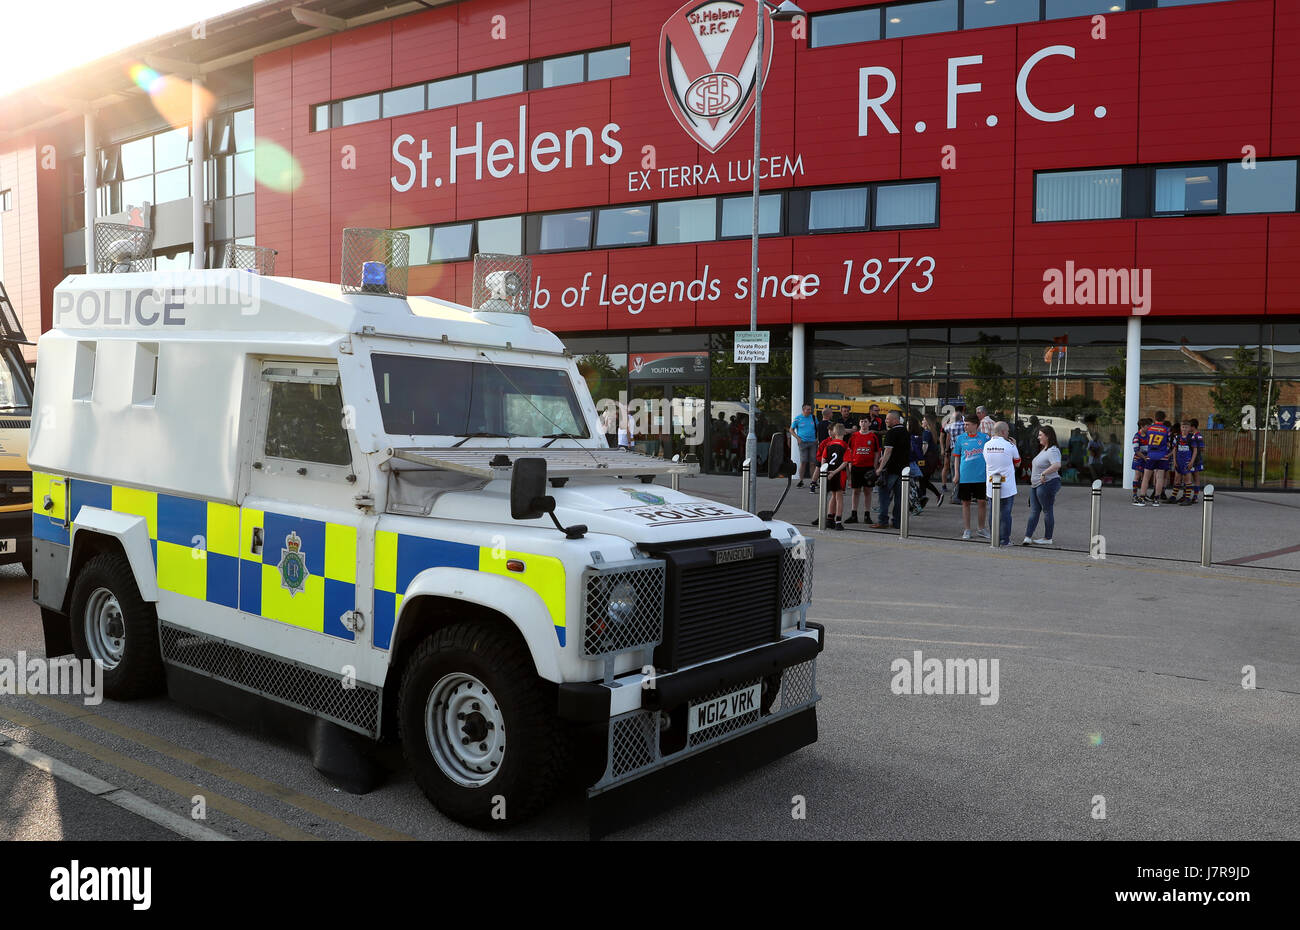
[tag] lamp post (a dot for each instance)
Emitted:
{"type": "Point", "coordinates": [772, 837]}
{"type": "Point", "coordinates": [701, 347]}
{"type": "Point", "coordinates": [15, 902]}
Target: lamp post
{"type": "Point", "coordinates": [785, 12]}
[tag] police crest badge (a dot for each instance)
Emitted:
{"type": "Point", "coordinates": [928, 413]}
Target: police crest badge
{"type": "Point", "coordinates": [708, 65]}
{"type": "Point", "coordinates": [293, 565]}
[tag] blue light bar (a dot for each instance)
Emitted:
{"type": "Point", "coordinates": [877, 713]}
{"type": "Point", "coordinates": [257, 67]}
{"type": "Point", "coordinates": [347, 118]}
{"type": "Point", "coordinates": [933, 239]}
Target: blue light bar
{"type": "Point", "coordinates": [374, 274]}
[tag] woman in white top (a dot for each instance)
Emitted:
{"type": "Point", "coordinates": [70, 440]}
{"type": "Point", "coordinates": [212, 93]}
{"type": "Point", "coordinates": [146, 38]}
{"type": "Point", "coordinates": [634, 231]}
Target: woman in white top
{"type": "Point", "coordinates": [1044, 482]}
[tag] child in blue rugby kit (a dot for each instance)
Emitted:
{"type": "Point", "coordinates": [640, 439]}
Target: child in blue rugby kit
{"type": "Point", "coordinates": [1139, 458]}
{"type": "Point", "coordinates": [1198, 459]}
{"type": "Point", "coordinates": [1183, 455]}
{"type": "Point", "coordinates": [1159, 436]}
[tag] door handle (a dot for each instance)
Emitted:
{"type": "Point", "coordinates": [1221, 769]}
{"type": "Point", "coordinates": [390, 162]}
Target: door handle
{"type": "Point", "coordinates": [256, 547]}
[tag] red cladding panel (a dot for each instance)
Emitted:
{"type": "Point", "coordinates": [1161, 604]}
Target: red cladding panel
{"type": "Point", "coordinates": [432, 281]}
{"type": "Point", "coordinates": [428, 198]}
{"type": "Point", "coordinates": [424, 46]}
{"type": "Point", "coordinates": [841, 290]}
{"type": "Point", "coordinates": [1204, 265]}
{"type": "Point", "coordinates": [579, 176]}
{"type": "Point", "coordinates": [826, 117]}
{"type": "Point", "coordinates": [311, 81]}
{"type": "Point", "coordinates": [1074, 251]}
{"type": "Point", "coordinates": [1286, 79]}
{"type": "Point", "coordinates": [493, 33]}
{"type": "Point", "coordinates": [1284, 264]}
{"type": "Point", "coordinates": [634, 301]}
{"type": "Point", "coordinates": [313, 236]}
{"type": "Point", "coordinates": [491, 128]}
{"type": "Point", "coordinates": [569, 26]}
{"type": "Point", "coordinates": [730, 262]}
{"type": "Point", "coordinates": [359, 182]}
{"type": "Point", "coordinates": [362, 60]}
{"type": "Point", "coordinates": [1102, 74]}
{"type": "Point", "coordinates": [1196, 61]}
{"type": "Point", "coordinates": [566, 291]}
{"type": "Point", "coordinates": [273, 105]}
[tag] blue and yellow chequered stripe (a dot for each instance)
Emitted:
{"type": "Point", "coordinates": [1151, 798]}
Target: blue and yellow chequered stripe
{"type": "Point", "coordinates": [203, 549]}
{"type": "Point", "coordinates": [399, 558]}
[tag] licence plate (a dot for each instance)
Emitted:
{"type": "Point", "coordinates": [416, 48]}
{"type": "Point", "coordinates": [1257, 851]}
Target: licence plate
{"type": "Point", "coordinates": [8, 546]}
{"type": "Point", "coordinates": [718, 710]}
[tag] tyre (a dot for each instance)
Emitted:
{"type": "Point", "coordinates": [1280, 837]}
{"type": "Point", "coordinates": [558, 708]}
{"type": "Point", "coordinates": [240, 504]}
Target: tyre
{"type": "Point", "coordinates": [117, 628]}
{"type": "Point", "coordinates": [479, 728]}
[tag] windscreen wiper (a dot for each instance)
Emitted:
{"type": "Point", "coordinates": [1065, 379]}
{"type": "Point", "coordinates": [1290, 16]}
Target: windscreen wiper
{"type": "Point", "coordinates": [554, 436]}
{"type": "Point", "coordinates": [470, 436]}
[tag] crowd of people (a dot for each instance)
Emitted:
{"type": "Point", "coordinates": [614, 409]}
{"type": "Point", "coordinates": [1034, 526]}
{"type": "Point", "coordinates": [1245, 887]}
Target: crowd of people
{"type": "Point", "coordinates": [975, 453]}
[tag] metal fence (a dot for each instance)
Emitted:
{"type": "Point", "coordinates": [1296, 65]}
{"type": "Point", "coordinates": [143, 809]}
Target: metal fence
{"type": "Point", "coordinates": [121, 248]}
{"type": "Point", "coordinates": [370, 247]}
{"type": "Point", "coordinates": [256, 258]}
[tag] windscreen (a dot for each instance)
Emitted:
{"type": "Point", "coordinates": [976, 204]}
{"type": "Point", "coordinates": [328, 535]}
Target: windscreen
{"type": "Point", "coordinates": [15, 396]}
{"type": "Point", "coordinates": [444, 397]}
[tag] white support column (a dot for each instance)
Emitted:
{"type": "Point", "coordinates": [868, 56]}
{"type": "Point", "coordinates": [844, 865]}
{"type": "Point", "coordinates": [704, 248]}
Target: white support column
{"type": "Point", "coordinates": [89, 175]}
{"type": "Point", "coordinates": [1132, 388]}
{"type": "Point", "coordinates": [796, 369]}
{"type": "Point", "coordinates": [198, 132]}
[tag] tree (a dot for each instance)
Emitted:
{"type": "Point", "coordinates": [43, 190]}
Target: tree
{"type": "Point", "coordinates": [1235, 397]}
{"type": "Point", "coordinates": [1114, 402]}
{"type": "Point", "coordinates": [989, 389]}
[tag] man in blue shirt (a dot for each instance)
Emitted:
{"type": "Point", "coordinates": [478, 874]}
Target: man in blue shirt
{"type": "Point", "coordinates": [968, 464]}
{"type": "Point", "coordinates": [804, 429]}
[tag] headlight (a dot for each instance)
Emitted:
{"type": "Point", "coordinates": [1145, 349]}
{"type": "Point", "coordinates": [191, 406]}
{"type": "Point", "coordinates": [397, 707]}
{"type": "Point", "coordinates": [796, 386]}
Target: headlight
{"type": "Point", "coordinates": [622, 603]}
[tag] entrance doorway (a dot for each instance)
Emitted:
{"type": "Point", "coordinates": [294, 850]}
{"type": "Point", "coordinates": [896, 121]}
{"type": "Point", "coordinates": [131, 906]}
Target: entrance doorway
{"type": "Point", "coordinates": [670, 419]}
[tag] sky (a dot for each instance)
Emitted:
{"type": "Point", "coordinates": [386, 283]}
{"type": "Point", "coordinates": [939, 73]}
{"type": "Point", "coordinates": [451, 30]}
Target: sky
{"type": "Point", "coordinates": [45, 37]}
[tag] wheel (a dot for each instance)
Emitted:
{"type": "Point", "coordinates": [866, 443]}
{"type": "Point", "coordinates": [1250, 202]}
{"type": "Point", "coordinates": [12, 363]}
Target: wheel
{"type": "Point", "coordinates": [115, 627]}
{"type": "Point", "coordinates": [479, 728]}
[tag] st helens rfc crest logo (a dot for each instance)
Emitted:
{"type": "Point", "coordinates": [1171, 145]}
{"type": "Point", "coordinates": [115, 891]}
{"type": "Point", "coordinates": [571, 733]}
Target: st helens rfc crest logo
{"type": "Point", "coordinates": [293, 565]}
{"type": "Point", "coordinates": [708, 63]}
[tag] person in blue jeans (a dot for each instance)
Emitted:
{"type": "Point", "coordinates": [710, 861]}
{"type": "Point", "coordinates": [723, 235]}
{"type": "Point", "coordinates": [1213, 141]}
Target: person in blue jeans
{"type": "Point", "coordinates": [1044, 483]}
{"type": "Point", "coordinates": [890, 463]}
{"type": "Point", "coordinates": [1001, 458]}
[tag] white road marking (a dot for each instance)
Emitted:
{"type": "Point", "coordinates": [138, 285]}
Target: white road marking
{"type": "Point", "coordinates": [111, 793]}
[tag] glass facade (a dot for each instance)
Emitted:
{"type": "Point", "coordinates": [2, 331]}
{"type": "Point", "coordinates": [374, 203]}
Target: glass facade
{"type": "Point", "coordinates": [1239, 381]}
{"type": "Point", "coordinates": [684, 394]}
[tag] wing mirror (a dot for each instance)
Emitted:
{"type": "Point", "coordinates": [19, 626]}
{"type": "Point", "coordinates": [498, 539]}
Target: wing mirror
{"type": "Point", "coordinates": [528, 497]}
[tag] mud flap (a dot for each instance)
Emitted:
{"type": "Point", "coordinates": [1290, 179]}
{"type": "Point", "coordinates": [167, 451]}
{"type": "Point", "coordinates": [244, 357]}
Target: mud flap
{"type": "Point", "coordinates": [58, 633]}
{"type": "Point", "coordinates": [634, 801]}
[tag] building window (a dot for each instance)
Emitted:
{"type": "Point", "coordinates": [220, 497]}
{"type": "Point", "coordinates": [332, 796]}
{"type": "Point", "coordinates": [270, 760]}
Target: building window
{"type": "Point", "coordinates": [320, 119]}
{"type": "Point", "coordinates": [357, 110]}
{"type": "Point", "coordinates": [617, 226]}
{"type": "Point", "coordinates": [1185, 190]}
{"type": "Point", "coordinates": [688, 221]}
{"type": "Point", "coordinates": [451, 243]}
{"type": "Point", "coordinates": [842, 208]}
{"type": "Point", "coordinates": [899, 205]}
{"type": "Point", "coordinates": [609, 63]}
{"type": "Point", "coordinates": [503, 236]}
{"type": "Point", "coordinates": [567, 69]}
{"type": "Point", "coordinates": [451, 91]}
{"type": "Point", "coordinates": [1268, 187]}
{"type": "Point", "coordinates": [420, 237]}
{"type": "Point", "coordinates": [1062, 9]}
{"type": "Point", "coordinates": [738, 216]}
{"type": "Point", "coordinates": [914, 19]}
{"type": "Point", "coordinates": [979, 13]}
{"type": "Point", "coordinates": [565, 231]}
{"type": "Point", "coordinates": [844, 28]}
{"type": "Point", "coordinates": [403, 100]}
{"type": "Point", "coordinates": [1078, 195]}
{"type": "Point", "coordinates": [498, 82]}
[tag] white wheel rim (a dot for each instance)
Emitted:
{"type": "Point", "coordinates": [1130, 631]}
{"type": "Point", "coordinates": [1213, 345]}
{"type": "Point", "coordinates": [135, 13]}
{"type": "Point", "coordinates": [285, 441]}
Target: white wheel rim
{"type": "Point", "coordinates": [465, 730]}
{"type": "Point", "coordinates": [105, 628]}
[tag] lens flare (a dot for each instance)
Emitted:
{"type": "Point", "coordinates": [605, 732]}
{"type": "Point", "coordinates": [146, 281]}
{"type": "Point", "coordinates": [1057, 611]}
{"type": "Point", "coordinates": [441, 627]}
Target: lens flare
{"type": "Point", "coordinates": [170, 95]}
{"type": "Point", "coordinates": [275, 167]}
{"type": "Point", "coordinates": [1094, 739]}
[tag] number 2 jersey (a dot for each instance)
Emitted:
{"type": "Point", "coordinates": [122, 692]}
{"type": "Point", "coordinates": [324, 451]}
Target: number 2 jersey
{"type": "Point", "coordinates": [832, 452]}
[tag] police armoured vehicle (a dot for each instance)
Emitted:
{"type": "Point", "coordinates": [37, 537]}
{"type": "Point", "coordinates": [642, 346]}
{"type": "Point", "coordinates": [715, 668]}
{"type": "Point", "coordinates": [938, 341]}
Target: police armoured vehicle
{"type": "Point", "coordinates": [335, 498]}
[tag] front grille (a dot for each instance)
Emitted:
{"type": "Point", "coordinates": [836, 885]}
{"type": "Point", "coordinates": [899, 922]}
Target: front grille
{"type": "Point", "coordinates": [716, 607]}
